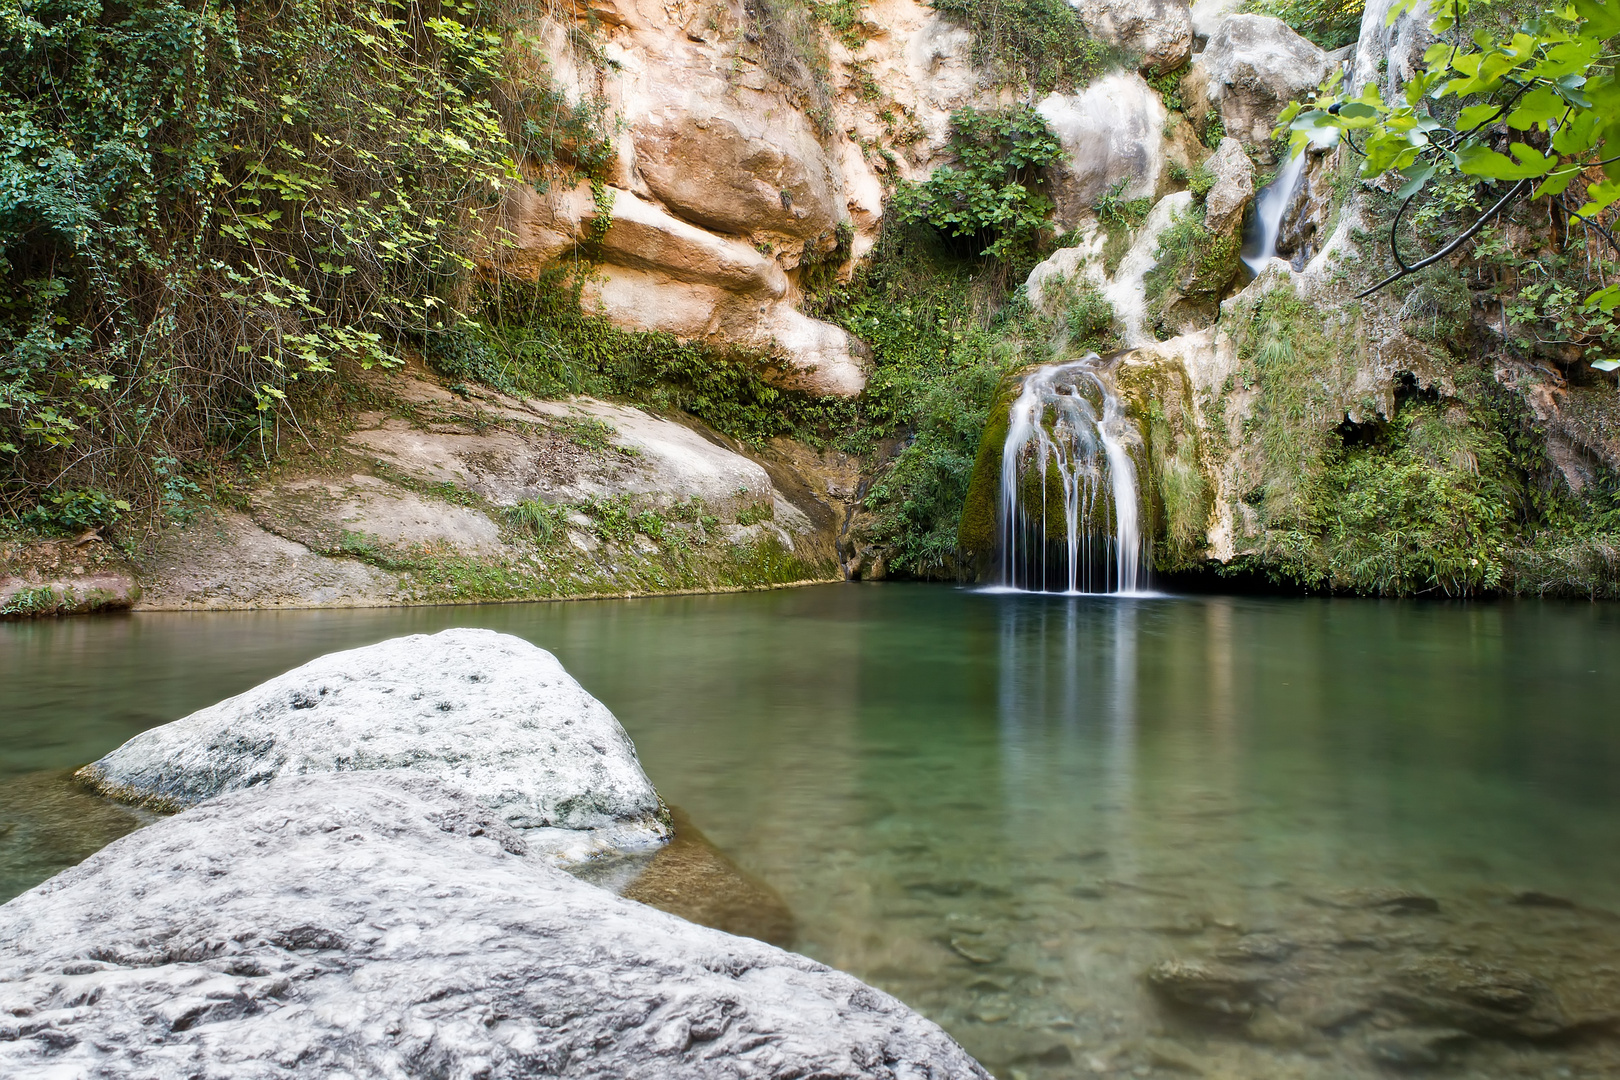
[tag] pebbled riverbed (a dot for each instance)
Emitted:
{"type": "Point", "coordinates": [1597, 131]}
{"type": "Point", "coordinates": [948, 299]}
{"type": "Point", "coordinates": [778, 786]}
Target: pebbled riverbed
{"type": "Point", "coordinates": [1241, 837]}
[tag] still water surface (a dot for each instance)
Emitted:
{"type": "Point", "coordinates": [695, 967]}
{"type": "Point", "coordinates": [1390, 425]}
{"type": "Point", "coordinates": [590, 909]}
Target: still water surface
{"type": "Point", "coordinates": [1007, 809]}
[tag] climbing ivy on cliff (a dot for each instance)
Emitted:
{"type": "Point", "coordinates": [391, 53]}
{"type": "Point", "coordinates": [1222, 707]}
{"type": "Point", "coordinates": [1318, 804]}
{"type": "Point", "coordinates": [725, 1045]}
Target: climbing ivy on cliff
{"type": "Point", "coordinates": [202, 205]}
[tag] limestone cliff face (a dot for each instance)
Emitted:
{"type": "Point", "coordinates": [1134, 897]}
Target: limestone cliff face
{"type": "Point", "coordinates": [735, 167]}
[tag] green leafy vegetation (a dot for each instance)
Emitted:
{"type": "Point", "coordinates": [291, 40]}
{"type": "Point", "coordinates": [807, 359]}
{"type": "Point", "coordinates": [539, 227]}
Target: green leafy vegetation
{"type": "Point", "coordinates": [1423, 506]}
{"type": "Point", "coordinates": [1519, 108]}
{"type": "Point", "coordinates": [1031, 45]}
{"type": "Point", "coordinates": [1113, 209]}
{"type": "Point", "coordinates": [994, 195]}
{"type": "Point", "coordinates": [1331, 24]}
{"type": "Point", "coordinates": [1193, 268]}
{"type": "Point", "coordinates": [944, 329]}
{"type": "Point", "coordinates": [534, 338]}
{"type": "Point", "coordinates": [201, 206]}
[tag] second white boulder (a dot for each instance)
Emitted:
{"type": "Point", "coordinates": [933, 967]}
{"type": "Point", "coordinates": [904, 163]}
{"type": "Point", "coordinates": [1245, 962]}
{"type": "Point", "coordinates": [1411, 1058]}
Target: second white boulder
{"type": "Point", "coordinates": [487, 713]}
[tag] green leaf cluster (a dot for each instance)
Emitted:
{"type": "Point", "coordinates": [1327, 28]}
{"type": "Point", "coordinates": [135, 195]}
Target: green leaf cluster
{"type": "Point", "coordinates": [1331, 24]}
{"type": "Point", "coordinates": [995, 194]}
{"type": "Point", "coordinates": [1536, 102]}
{"type": "Point", "coordinates": [202, 204]}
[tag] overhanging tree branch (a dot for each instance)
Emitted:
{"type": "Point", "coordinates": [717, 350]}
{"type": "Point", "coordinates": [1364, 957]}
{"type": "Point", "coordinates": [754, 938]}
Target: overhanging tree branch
{"type": "Point", "coordinates": [1462, 238]}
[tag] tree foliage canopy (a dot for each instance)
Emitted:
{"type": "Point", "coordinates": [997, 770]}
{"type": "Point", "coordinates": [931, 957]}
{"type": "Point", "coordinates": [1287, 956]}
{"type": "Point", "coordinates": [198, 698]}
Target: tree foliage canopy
{"type": "Point", "coordinates": [1535, 106]}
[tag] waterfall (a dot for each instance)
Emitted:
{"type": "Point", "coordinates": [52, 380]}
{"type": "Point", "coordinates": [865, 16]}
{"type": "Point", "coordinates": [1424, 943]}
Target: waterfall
{"type": "Point", "coordinates": [1269, 208]}
{"type": "Point", "coordinates": [1067, 463]}
{"type": "Point", "coordinates": [1271, 205]}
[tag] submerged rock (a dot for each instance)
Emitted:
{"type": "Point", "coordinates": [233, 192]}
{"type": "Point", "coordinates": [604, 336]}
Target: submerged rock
{"type": "Point", "coordinates": [1215, 992]}
{"type": "Point", "coordinates": [489, 713]}
{"type": "Point", "coordinates": [1484, 999]}
{"type": "Point", "coordinates": [382, 924]}
{"type": "Point", "coordinates": [692, 878]}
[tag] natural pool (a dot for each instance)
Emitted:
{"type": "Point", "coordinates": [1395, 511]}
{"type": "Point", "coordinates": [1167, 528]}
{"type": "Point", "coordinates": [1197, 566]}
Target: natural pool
{"type": "Point", "coordinates": [1365, 820]}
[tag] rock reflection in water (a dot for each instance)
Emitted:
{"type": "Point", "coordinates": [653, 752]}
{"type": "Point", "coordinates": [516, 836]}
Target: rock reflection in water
{"type": "Point", "coordinates": [692, 878]}
{"type": "Point", "coordinates": [48, 823]}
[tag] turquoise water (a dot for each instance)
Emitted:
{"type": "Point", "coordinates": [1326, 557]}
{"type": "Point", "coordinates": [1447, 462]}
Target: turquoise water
{"type": "Point", "coordinates": [1007, 809]}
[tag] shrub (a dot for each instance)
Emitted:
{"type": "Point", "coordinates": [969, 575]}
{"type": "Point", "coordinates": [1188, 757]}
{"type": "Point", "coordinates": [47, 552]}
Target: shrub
{"type": "Point", "coordinates": [995, 193]}
{"type": "Point", "coordinates": [1035, 45]}
{"type": "Point", "coordinates": [202, 204]}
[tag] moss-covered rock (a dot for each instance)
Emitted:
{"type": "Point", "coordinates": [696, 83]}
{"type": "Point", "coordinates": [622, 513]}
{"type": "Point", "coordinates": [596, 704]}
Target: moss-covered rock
{"type": "Point", "coordinates": [976, 535]}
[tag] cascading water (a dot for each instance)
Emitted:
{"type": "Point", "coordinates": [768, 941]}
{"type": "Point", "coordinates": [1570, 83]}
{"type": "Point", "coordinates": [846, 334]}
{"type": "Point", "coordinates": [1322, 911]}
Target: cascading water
{"type": "Point", "coordinates": [1271, 205]}
{"type": "Point", "coordinates": [1067, 470]}
{"type": "Point", "coordinates": [1269, 208]}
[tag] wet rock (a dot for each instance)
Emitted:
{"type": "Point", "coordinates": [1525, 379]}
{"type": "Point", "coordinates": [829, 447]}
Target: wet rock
{"type": "Point", "coordinates": [1532, 898]}
{"type": "Point", "coordinates": [1262, 947]}
{"type": "Point", "coordinates": [1171, 1055]}
{"type": "Point", "coordinates": [975, 951]}
{"type": "Point", "coordinates": [1215, 992]}
{"type": "Point", "coordinates": [49, 823]}
{"type": "Point", "coordinates": [380, 924]}
{"type": "Point", "coordinates": [1336, 1015]}
{"type": "Point", "coordinates": [1487, 1000]}
{"type": "Point", "coordinates": [1388, 901]}
{"type": "Point", "coordinates": [1271, 1028]}
{"type": "Point", "coordinates": [1416, 1048]}
{"type": "Point", "coordinates": [488, 712]}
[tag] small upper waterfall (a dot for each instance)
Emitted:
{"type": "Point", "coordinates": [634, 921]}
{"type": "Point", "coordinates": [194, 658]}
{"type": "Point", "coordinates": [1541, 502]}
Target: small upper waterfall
{"type": "Point", "coordinates": [1269, 208]}
{"type": "Point", "coordinates": [1067, 471]}
{"type": "Point", "coordinates": [1271, 205]}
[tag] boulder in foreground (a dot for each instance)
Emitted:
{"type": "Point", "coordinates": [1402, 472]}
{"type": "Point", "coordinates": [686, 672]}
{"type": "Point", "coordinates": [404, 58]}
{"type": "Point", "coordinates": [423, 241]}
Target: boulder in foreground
{"type": "Point", "coordinates": [382, 925]}
{"type": "Point", "coordinates": [488, 713]}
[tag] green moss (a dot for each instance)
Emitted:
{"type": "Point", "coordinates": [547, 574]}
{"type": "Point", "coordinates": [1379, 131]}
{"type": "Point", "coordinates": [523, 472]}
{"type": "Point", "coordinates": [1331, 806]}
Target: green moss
{"type": "Point", "coordinates": [1177, 493]}
{"type": "Point", "coordinates": [534, 338]}
{"type": "Point", "coordinates": [1293, 367]}
{"type": "Point", "coordinates": [976, 528]}
{"type": "Point", "coordinates": [1169, 86]}
{"type": "Point", "coordinates": [1194, 268]}
{"type": "Point", "coordinates": [1423, 507]}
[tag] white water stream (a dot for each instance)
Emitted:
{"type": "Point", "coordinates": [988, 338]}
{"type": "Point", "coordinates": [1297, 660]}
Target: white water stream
{"type": "Point", "coordinates": [1068, 423]}
{"type": "Point", "coordinates": [1269, 208]}
{"type": "Point", "coordinates": [1271, 205]}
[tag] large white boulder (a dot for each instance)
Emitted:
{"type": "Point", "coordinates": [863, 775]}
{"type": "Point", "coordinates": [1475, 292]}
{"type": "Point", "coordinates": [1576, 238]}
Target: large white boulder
{"type": "Point", "coordinates": [488, 713]}
{"type": "Point", "coordinates": [378, 925]}
{"type": "Point", "coordinates": [1253, 67]}
{"type": "Point", "coordinates": [1159, 31]}
{"type": "Point", "coordinates": [1112, 131]}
